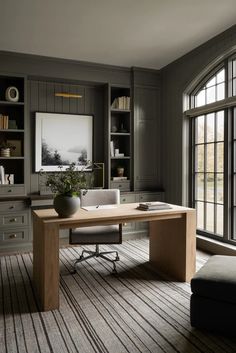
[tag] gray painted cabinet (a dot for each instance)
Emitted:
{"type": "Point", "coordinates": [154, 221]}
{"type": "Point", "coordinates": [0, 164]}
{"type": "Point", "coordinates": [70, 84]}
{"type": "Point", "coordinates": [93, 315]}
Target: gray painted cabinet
{"type": "Point", "coordinates": [146, 137]}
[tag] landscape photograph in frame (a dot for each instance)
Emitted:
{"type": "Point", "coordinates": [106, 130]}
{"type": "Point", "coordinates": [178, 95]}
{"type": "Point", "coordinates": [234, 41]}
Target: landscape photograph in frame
{"type": "Point", "coordinates": [62, 139]}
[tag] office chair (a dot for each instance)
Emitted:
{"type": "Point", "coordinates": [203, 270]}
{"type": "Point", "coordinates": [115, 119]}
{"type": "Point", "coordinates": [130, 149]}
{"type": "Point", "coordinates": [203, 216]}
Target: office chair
{"type": "Point", "coordinates": [108, 234]}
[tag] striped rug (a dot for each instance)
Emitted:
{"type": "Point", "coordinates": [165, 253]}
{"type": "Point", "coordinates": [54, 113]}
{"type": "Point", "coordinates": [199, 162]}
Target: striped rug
{"type": "Point", "coordinates": [135, 311]}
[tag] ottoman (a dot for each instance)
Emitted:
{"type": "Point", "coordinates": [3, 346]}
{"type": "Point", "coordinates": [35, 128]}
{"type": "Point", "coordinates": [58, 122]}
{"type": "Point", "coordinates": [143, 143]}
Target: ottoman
{"type": "Point", "coordinates": [213, 299]}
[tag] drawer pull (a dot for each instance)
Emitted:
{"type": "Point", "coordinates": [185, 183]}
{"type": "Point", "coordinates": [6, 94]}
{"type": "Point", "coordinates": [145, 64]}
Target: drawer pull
{"type": "Point", "coordinates": [12, 236]}
{"type": "Point", "coordinates": [124, 224]}
{"type": "Point", "coordinates": [11, 207]}
{"type": "Point", "coordinates": [13, 220]}
{"type": "Point", "coordinates": [9, 190]}
{"type": "Point", "coordinates": [123, 200]}
{"type": "Point", "coordinates": [120, 186]}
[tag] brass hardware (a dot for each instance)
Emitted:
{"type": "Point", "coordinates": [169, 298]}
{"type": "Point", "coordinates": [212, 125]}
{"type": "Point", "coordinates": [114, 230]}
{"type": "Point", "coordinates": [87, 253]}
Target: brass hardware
{"type": "Point", "coordinates": [124, 224]}
{"type": "Point", "coordinates": [13, 219]}
{"type": "Point", "coordinates": [9, 190]}
{"type": "Point", "coordinates": [67, 95]}
{"type": "Point", "coordinates": [12, 236]}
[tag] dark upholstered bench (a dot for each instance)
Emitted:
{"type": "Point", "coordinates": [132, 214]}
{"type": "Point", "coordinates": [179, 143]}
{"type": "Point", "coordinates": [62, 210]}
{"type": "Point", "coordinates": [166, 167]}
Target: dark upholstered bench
{"type": "Point", "coordinates": [213, 302]}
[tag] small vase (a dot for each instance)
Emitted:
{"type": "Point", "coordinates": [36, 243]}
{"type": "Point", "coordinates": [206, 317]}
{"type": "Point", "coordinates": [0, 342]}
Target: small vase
{"type": "Point", "coordinates": [5, 152]}
{"type": "Point", "coordinates": [66, 206]}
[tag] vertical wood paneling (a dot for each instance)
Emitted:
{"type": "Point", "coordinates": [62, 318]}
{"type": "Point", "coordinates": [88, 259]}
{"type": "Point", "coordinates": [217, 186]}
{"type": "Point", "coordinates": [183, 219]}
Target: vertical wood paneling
{"type": "Point", "coordinates": [42, 97]}
{"type": "Point", "coordinates": [73, 101]}
{"type": "Point", "coordinates": [50, 97]}
{"type": "Point", "coordinates": [57, 100]}
{"type": "Point", "coordinates": [65, 101]}
{"type": "Point", "coordinates": [34, 107]}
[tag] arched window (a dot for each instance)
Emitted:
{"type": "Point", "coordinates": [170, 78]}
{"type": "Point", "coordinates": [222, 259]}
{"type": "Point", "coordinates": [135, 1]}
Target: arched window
{"type": "Point", "coordinates": [213, 150]}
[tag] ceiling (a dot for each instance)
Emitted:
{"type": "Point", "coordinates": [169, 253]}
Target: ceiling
{"type": "Point", "coordinates": [143, 33]}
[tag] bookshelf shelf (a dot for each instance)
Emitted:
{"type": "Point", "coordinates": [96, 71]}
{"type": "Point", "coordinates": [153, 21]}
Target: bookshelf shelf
{"type": "Point", "coordinates": [120, 127]}
{"type": "Point", "coordinates": [12, 132]}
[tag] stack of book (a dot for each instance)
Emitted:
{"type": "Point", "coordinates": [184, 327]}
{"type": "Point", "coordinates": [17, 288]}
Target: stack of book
{"type": "Point", "coordinates": [3, 122]}
{"type": "Point", "coordinates": [121, 103]}
{"type": "Point", "coordinates": [152, 206]}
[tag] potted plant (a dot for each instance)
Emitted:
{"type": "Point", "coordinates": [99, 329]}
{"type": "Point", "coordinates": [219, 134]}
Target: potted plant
{"type": "Point", "coordinates": [6, 148]}
{"type": "Point", "coordinates": [66, 187]}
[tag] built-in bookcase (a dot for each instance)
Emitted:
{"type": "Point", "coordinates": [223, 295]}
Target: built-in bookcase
{"type": "Point", "coordinates": [12, 128]}
{"type": "Point", "coordinates": [120, 135]}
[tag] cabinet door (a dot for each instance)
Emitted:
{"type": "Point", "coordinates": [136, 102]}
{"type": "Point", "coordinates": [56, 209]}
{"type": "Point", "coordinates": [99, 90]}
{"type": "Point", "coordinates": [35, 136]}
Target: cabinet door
{"type": "Point", "coordinates": [146, 138]}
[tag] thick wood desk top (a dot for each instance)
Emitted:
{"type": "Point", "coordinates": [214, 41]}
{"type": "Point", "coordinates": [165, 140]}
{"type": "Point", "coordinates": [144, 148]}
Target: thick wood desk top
{"type": "Point", "coordinates": [121, 214]}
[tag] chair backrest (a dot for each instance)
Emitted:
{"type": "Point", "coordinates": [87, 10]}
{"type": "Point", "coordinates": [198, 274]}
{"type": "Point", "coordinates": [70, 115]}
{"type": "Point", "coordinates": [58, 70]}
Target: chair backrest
{"type": "Point", "coordinates": [100, 197]}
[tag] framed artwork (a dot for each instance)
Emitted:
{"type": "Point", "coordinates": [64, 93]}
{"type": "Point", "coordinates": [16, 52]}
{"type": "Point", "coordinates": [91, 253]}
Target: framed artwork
{"type": "Point", "coordinates": [62, 139]}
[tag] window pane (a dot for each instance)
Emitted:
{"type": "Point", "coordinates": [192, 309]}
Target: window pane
{"type": "Point", "coordinates": [210, 217]}
{"type": "Point", "coordinates": [200, 129]}
{"type": "Point", "coordinates": [210, 187]}
{"type": "Point", "coordinates": [211, 82]}
{"type": "Point", "coordinates": [210, 157]}
{"type": "Point", "coordinates": [234, 68]}
{"type": "Point", "coordinates": [220, 91]}
{"type": "Point", "coordinates": [220, 188]}
{"type": "Point", "coordinates": [220, 77]}
{"type": "Point", "coordinates": [234, 87]}
{"type": "Point", "coordinates": [199, 186]}
{"type": "Point", "coordinates": [200, 158]}
{"type": "Point", "coordinates": [200, 99]}
{"type": "Point", "coordinates": [219, 219]}
{"type": "Point", "coordinates": [200, 215]}
{"type": "Point", "coordinates": [210, 95]}
{"type": "Point", "coordinates": [220, 126]}
{"type": "Point", "coordinates": [210, 127]}
{"type": "Point", "coordinates": [220, 157]}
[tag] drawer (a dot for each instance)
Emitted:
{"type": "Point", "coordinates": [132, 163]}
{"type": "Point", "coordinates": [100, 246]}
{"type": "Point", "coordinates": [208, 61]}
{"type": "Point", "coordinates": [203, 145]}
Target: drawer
{"type": "Point", "coordinates": [145, 197]}
{"type": "Point", "coordinates": [18, 219]}
{"type": "Point", "coordinates": [14, 235]}
{"type": "Point", "coordinates": [121, 185]}
{"type": "Point", "coordinates": [127, 198]}
{"type": "Point", "coordinates": [9, 190]}
{"type": "Point", "coordinates": [12, 206]}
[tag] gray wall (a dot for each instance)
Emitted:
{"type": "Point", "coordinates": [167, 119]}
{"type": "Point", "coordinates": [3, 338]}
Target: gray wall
{"type": "Point", "coordinates": [175, 79]}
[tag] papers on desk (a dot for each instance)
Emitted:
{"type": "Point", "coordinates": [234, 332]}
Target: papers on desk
{"type": "Point", "coordinates": [99, 207]}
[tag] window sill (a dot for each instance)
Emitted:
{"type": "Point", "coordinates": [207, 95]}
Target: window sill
{"type": "Point", "coordinates": [215, 247]}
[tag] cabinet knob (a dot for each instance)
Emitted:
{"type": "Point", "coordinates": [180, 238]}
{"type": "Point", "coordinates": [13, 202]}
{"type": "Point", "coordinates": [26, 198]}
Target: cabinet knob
{"type": "Point", "coordinates": [120, 186]}
{"type": "Point", "coordinates": [123, 200]}
{"type": "Point", "coordinates": [9, 190]}
{"type": "Point", "coordinates": [124, 224]}
{"type": "Point", "coordinates": [12, 236]}
{"type": "Point", "coordinates": [11, 207]}
{"type": "Point", "coordinates": [13, 219]}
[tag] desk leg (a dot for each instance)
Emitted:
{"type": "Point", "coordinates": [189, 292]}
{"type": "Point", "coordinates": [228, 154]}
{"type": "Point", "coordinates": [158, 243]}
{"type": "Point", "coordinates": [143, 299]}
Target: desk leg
{"type": "Point", "coordinates": [173, 246]}
{"type": "Point", "coordinates": [46, 264]}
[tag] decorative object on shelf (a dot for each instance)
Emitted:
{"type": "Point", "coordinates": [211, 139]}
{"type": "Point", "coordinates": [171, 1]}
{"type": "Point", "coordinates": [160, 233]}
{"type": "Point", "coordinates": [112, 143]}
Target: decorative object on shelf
{"type": "Point", "coordinates": [12, 124]}
{"type": "Point", "coordinates": [120, 171]}
{"type": "Point", "coordinates": [122, 129]}
{"type": "Point", "coordinates": [67, 95]}
{"type": "Point", "coordinates": [12, 94]}
{"type": "Point", "coordinates": [9, 179]}
{"type": "Point", "coordinates": [66, 186]}
{"type": "Point", "coordinates": [117, 152]}
{"type": "Point", "coordinates": [17, 150]}
{"type": "Point", "coordinates": [112, 149]}
{"type": "Point", "coordinates": [6, 148]}
{"type": "Point", "coordinates": [114, 128]}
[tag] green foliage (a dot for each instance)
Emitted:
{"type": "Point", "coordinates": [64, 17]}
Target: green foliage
{"type": "Point", "coordinates": [68, 182]}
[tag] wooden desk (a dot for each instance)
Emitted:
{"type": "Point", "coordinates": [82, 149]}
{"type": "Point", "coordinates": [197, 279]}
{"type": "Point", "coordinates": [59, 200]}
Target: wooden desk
{"type": "Point", "coordinates": [172, 242]}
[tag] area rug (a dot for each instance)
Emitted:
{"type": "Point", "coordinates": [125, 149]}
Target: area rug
{"type": "Point", "coordinates": [135, 311]}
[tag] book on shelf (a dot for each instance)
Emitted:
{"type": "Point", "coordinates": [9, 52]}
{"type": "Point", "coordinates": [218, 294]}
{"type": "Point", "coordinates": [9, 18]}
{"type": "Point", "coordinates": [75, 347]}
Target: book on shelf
{"type": "Point", "coordinates": [4, 122]}
{"type": "Point", "coordinates": [2, 175]}
{"type": "Point", "coordinates": [119, 178]}
{"type": "Point", "coordinates": [152, 206]}
{"type": "Point", "coordinates": [121, 103]}
{"type": "Point", "coordinates": [112, 149]}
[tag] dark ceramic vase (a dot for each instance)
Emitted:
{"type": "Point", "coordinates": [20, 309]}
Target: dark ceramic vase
{"type": "Point", "coordinates": [66, 206]}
